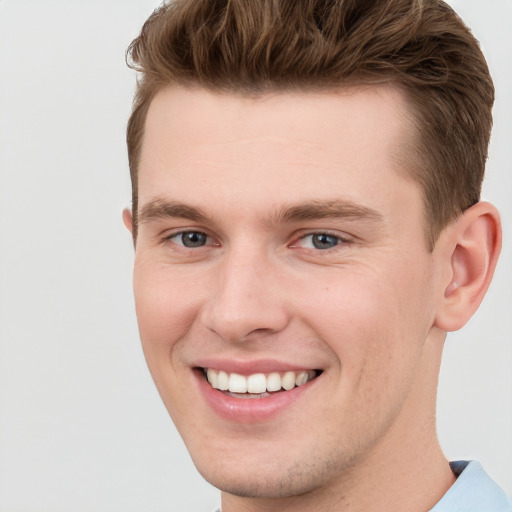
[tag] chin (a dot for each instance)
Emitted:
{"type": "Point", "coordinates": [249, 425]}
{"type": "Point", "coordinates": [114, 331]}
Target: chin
{"type": "Point", "coordinates": [268, 479]}
{"type": "Point", "coordinates": [261, 486]}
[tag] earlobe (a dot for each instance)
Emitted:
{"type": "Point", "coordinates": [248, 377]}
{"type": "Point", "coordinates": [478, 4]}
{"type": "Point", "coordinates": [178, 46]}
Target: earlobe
{"type": "Point", "coordinates": [476, 244]}
{"type": "Point", "coordinates": [128, 219]}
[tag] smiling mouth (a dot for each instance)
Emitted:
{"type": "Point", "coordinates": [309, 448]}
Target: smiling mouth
{"type": "Point", "coordinates": [257, 385]}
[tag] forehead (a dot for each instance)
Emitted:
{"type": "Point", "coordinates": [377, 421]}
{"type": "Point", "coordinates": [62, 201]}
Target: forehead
{"type": "Point", "coordinates": [332, 143]}
{"type": "Point", "coordinates": [200, 115]}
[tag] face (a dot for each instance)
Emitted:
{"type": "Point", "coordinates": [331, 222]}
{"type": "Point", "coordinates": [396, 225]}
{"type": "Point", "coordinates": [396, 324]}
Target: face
{"type": "Point", "coordinates": [284, 292]}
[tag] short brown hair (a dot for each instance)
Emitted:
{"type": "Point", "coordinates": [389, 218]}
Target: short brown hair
{"type": "Point", "coordinates": [253, 46]}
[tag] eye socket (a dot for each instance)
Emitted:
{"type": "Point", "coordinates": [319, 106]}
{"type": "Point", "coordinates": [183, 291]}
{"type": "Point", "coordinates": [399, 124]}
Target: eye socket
{"type": "Point", "coordinates": [190, 239]}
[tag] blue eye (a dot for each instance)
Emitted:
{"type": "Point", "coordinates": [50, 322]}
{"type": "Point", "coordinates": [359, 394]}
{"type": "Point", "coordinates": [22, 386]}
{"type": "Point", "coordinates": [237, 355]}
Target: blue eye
{"type": "Point", "coordinates": [324, 241]}
{"type": "Point", "coordinates": [320, 241]}
{"type": "Point", "coordinates": [190, 239]}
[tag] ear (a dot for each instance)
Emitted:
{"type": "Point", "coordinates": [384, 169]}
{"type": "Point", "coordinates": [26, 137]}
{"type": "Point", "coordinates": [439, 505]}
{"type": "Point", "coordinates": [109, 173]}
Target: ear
{"type": "Point", "coordinates": [474, 244]}
{"type": "Point", "coordinates": [128, 219]}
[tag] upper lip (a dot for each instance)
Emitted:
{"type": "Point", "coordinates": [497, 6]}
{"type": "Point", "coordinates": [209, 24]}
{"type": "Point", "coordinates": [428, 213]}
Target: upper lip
{"type": "Point", "coordinates": [250, 367]}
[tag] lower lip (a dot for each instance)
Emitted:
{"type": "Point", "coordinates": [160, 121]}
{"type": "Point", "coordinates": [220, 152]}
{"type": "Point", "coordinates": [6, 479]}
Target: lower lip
{"type": "Point", "coordinates": [249, 410]}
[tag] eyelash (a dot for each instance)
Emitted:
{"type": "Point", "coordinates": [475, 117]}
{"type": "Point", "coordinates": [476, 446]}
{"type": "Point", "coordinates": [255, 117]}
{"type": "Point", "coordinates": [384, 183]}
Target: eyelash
{"type": "Point", "coordinates": [173, 236]}
{"type": "Point", "coordinates": [341, 241]}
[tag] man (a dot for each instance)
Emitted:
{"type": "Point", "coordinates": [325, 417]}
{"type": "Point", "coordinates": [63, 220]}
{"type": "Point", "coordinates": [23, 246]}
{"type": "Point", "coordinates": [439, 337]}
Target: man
{"type": "Point", "coordinates": [307, 227]}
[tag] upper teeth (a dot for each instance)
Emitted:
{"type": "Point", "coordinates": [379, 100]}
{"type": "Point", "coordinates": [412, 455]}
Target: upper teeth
{"type": "Point", "coordinates": [257, 382]}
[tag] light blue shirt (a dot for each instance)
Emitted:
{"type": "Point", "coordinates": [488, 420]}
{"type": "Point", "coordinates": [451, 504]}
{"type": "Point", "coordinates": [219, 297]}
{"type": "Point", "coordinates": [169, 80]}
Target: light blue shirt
{"type": "Point", "coordinates": [473, 491]}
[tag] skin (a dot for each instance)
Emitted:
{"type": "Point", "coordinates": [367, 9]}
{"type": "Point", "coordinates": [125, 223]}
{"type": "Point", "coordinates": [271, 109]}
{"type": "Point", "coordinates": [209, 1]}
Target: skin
{"type": "Point", "coordinates": [371, 312]}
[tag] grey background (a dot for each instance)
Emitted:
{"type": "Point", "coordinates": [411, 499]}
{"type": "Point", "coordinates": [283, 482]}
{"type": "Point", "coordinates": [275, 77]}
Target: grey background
{"type": "Point", "coordinates": [81, 425]}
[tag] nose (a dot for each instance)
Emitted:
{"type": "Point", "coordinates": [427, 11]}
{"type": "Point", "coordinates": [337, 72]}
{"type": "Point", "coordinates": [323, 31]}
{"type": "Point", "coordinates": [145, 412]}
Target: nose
{"type": "Point", "coordinates": [247, 299]}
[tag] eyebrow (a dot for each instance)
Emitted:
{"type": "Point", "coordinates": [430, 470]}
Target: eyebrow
{"type": "Point", "coordinates": [163, 209]}
{"type": "Point", "coordinates": [335, 209]}
{"type": "Point", "coordinates": [312, 210]}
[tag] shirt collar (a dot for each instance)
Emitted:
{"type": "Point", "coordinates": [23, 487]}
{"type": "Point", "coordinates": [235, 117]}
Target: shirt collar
{"type": "Point", "coordinates": [473, 491]}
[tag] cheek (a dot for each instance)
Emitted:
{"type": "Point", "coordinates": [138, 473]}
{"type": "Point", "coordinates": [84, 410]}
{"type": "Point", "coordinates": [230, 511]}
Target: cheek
{"type": "Point", "coordinates": [166, 305]}
{"type": "Point", "coordinates": [371, 321]}
{"type": "Point", "coordinates": [166, 302]}
{"type": "Point", "coordinates": [377, 343]}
